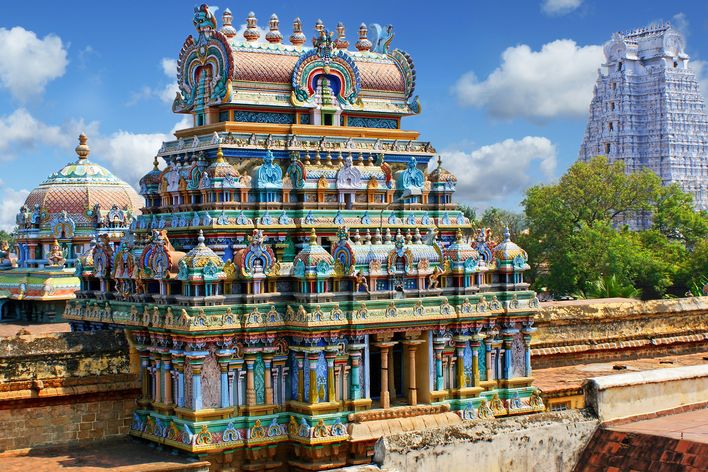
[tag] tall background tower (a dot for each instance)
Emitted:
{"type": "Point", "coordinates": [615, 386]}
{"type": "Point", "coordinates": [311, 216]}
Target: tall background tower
{"type": "Point", "coordinates": [648, 111]}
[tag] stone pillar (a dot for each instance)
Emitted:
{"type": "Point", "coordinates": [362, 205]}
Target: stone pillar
{"type": "Point", "coordinates": [355, 358]}
{"type": "Point", "coordinates": [527, 331]}
{"type": "Point", "coordinates": [178, 362]}
{"type": "Point", "coordinates": [276, 382]}
{"type": "Point", "coordinates": [166, 378]}
{"type": "Point", "coordinates": [329, 356]}
{"type": "Point", "coordinates": [312, 359]}
{"type": "Point", "coordinates": [224, 357]}
{"type": "Point", "coordinates": [268, 377]}
{"type": "Point", "coordinates": [488, 359]}
{"type": "Point", "coordinates": [475, 342]}
{"type": "Point", "coordinates": [460, 344]}
{"type": "Point", "coordinates": [411, 347]}
{"type": "Point", "coordinates": [438, 347]}
{"type": "Point", "coordinates": [157, 377]}
{"type": "Point", "coordinates": [250, 381]}
{"type": "Point", "coordinates": [385, 350]}
{"type": "Point", "coordinates": [300, 356]}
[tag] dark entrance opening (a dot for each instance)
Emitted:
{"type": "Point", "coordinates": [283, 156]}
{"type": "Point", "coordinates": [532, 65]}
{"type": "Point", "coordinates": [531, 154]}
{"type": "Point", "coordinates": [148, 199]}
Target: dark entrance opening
{"type": "Point", "coordinates": [375, 373]}
{"type": "Point", "coordinates": [397, 351]}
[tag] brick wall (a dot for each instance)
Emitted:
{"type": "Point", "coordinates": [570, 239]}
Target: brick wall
{"type": "Point", "coordinates": [65, 388]}
{"type": "Point", "coordinates": [64, 423]}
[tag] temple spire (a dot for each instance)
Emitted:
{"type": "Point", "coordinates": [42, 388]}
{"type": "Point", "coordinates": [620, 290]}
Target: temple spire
{"type": "Point", "coordinates": [274, 36]}
{"type": "Point", "coordinates": [341, 41]}
{"type": "Point", "coordinates": [251, 34]}
{"type": "Point", "coordinates": [82, 150]}
{"type": "Point", "coordinates": [298, 37]}
{"type": "Point", "coordinates": [363, 44]}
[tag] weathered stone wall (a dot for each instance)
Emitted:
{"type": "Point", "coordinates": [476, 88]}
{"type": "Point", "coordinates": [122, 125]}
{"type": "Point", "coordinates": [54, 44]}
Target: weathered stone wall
{"type": "Point", "coordinates": [65, 388]}
{"type": "Point", "coordinates": [610, 329]}
{"type": "Point", "coordinates": [548, 442]}
{"type": "Point", "coordinates": [85, 421]}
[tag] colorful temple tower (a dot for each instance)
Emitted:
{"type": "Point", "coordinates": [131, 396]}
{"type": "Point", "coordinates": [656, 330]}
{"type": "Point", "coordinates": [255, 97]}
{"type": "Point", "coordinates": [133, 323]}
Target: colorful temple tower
{"type": "Point", "coordinates": [296, 271]}
{"type": "Point", "coordinates": [648, 112]}
{"type": "Point", "coordinates": [59, 221]}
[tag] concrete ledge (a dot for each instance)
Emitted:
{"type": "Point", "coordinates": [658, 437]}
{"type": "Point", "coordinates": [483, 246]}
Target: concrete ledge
{"type": "Point", "coordinates": [639, 393]}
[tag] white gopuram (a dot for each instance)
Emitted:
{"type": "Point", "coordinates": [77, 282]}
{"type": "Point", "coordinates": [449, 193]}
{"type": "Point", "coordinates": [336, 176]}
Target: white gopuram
{"type": "Point", "coordinates": [648, 111]}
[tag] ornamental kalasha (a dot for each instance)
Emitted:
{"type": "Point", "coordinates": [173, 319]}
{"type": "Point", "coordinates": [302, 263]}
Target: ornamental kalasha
{"type": "Point", "coordinates": [296, 264]}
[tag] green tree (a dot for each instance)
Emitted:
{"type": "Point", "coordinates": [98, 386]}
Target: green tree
{"type": "Point", "coordinates": [576, 240]}
{"type": "Point", "coordinates": [498, 219]}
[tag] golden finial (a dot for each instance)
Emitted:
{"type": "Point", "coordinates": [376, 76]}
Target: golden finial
{"type": "Point", "coordinates": [82, 150]}
{"type": "Point", "coordinates": [219, 154]}
{"type": "Point", "coordinates": [313, 237]}
{"type": "Point", "coordinates": [458, 236]}
{"type": "Point", "coordinates": [155, 163]}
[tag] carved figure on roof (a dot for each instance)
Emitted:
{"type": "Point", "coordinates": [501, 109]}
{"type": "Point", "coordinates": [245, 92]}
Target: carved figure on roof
{"type": "Point", "coordinates": [269, 173]}
{"type": "Point", "coordinates": [382, 38]}
{"type": "Point", "coordinates": [56, 256]}
{"type": "Point", "coordinates": [348, 176]}
{"type": "Point", "coordinates": [360, 282]}
{"type": "Point", "coordinates": [204, 20]}
{"type": "Point", "coordinates": [412, 176]}
{"type": "Point", "coordinates": [36, 215]}
{"type": "Point", "coordinates": [434, 278]}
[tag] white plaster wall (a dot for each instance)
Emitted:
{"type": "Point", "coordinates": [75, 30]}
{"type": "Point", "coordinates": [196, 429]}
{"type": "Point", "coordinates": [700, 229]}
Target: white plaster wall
{"type": "Point", "coordinates": [638, 393]}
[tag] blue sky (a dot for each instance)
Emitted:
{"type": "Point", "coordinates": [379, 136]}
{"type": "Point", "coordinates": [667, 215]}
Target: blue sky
{"type": "Point", "coordinates": [505, 85]}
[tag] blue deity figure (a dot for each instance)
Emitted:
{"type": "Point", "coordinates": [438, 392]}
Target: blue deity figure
{"type": "Point", "coordinates": [412, 176]}
{"type": "Point", "coordinates": [269, 173]}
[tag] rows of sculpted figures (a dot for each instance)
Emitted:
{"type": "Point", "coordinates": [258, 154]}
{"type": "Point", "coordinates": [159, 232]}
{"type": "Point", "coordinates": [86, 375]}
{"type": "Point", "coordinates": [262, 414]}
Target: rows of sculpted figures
{"type": "Point", "coordinates": [296, 268]}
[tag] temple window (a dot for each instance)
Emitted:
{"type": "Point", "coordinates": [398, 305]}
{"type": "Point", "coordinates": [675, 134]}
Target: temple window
{"type": "Point", "coordinates": [611, 126]}
{"type": "Point", "coordinates": [200, 119]}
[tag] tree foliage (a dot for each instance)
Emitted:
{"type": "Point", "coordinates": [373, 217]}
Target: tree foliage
{"type": "Point", "coordinates": [577, 242]}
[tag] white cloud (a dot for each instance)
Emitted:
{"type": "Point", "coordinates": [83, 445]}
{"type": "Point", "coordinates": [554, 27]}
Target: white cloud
{"type": "Point", "coordinates": [28, 63]}
{"type": "Point", "coordinates": [129, 155]}
{"type": "Point", "coordinates": [559, 7]}
{"type": "Point", "coordinates": [10, 202]}
{"type": "Point", "coordinates": [493, 172]}
{"type": "Point", "coordinates": [165, 93]}
{"type": "Point", "coordinates": [20, 131]}
{"type": "Point", "coordinates": [680, 23]}
{"type": "Point", "coordinates": [556, 81]}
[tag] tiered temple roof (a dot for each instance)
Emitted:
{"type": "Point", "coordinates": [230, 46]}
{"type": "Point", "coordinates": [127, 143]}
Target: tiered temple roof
{"type": "Point", "coordinates": [294, 251]}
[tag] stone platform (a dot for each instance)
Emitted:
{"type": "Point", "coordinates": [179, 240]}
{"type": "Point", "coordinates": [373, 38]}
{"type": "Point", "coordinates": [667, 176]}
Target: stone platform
{"type": "Point", "coordinates": [124, 455]}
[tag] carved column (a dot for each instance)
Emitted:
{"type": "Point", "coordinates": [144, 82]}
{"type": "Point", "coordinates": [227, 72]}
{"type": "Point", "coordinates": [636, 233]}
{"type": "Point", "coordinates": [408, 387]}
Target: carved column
{"type": "Point", "coordinates": [385, 348]}
{"type": "Point", "coordinates": [488, 359]}
{"type": "Point", "coordinates": [438, 347]}
{"type": "Point", "coordinates": [355, 351]}
{"type": "Point", "coordinates": [475, 342]}
{"type": "Point", "coordinates": [224, 357]}
{"type": "Point", "coordinates": [527, 331]}
{"type": "Point", "coordinates": [300, 356]}
{"type": "Point", "coordinates": [268, 377]}
{"type": "Point", "coordinates": [312, 358]}
{"type": "Point", "coordinates": [178, 362]}
{"type": "Point", "coordinates": [166, 378]}
{"type": "Point", "coordinates": [196, 360]}
{"type": "Point", "coordinates": [330, 355]}
{"type": "Point", "coordinates": [411, 347]}
{"type": "Point", "coordinates": [250, 381]}
{"type": "Point", "coordinates": [460, 344]}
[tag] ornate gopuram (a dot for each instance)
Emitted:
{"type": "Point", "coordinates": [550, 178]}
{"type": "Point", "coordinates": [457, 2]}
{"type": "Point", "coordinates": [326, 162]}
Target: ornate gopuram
{"type": "Point", "coordinates": [648, 112]}
{"type": "Point", "coordinates": [74, 208]}
{"type": "Point", "coordinates": [296, 272]}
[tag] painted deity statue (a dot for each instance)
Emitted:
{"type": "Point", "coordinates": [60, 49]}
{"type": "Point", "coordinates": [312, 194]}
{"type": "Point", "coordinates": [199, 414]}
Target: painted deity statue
{"type": "Point", "coordinates": [413, 177]}
{"type": "Point", "coordinates": [56, 256]}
